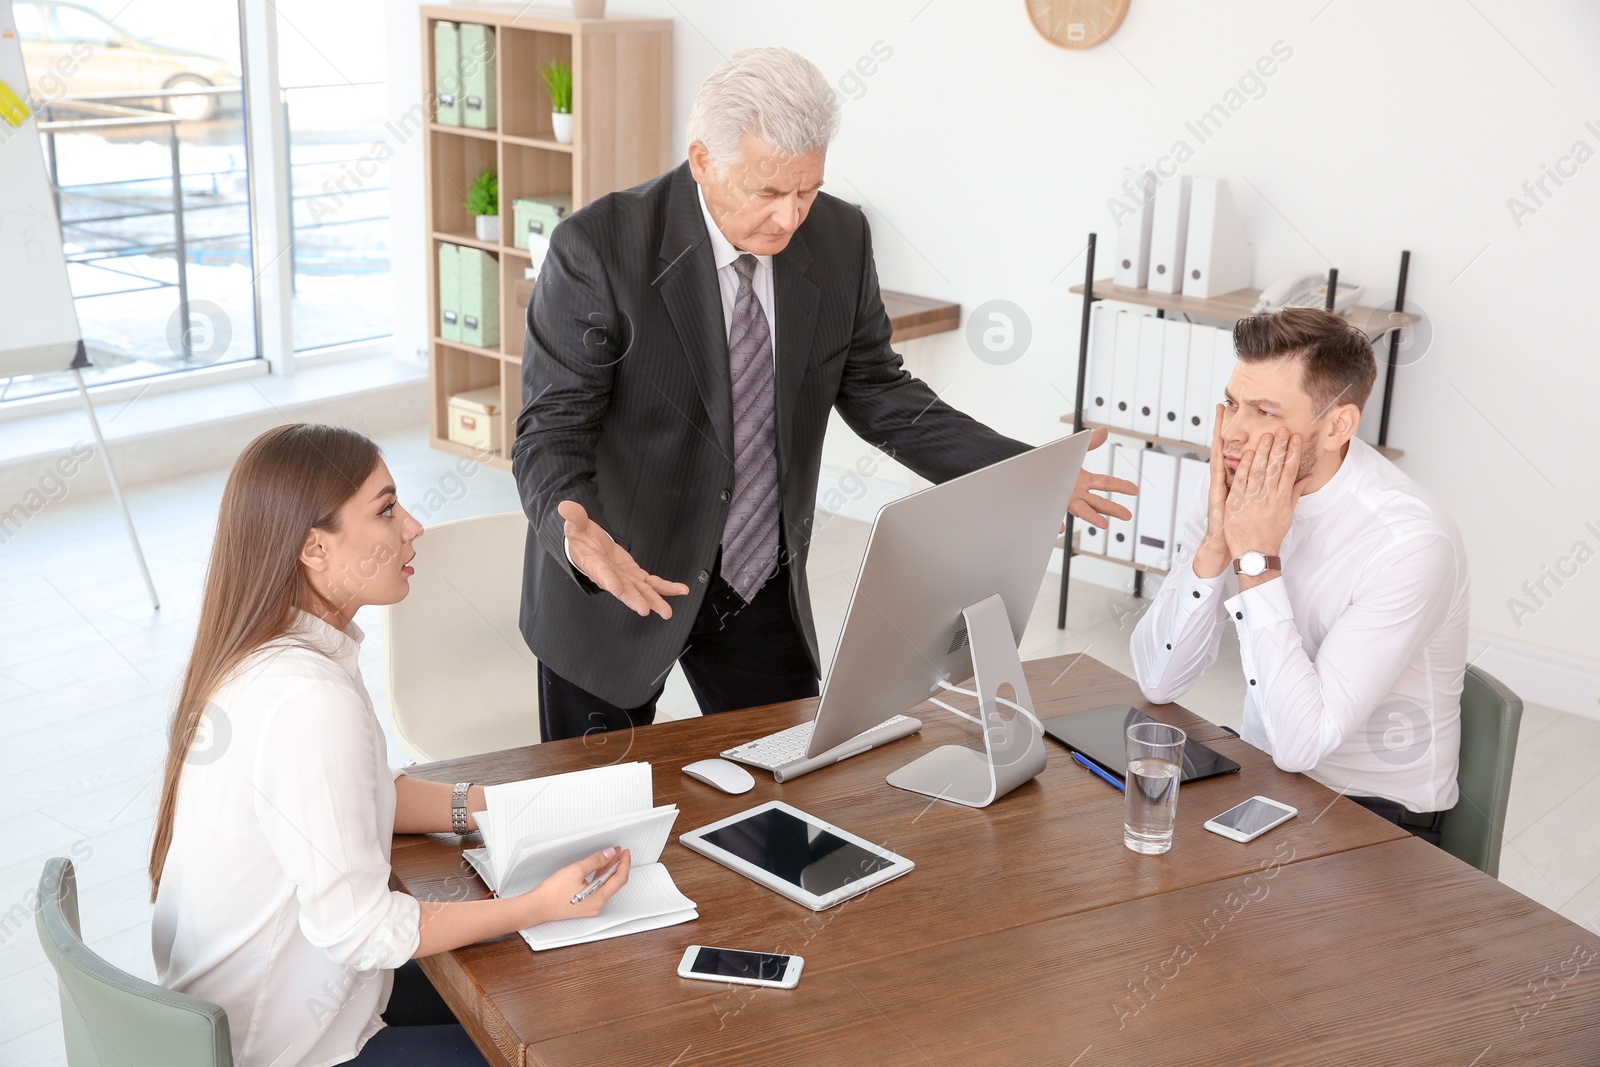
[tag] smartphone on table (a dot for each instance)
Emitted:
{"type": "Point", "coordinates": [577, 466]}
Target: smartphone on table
{"type": "Point", "coordinates": [740, 966]}
{"type": "Point", "coordinates": [1251, 819]}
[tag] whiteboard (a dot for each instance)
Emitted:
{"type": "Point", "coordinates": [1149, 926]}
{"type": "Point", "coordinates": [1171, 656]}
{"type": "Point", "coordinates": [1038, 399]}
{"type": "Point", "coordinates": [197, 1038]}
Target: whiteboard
{"type": "Point", "coordinates": [38, 323]}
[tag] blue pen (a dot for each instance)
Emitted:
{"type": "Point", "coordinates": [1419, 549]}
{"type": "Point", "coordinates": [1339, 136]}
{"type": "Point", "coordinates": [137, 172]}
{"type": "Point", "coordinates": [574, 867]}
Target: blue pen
{"type": "Point", "coordinates": [1097, 772]}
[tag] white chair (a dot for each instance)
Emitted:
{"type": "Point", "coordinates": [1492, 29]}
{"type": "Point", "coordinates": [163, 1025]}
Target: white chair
{"type": "Point", "coordinates": [461, 678]}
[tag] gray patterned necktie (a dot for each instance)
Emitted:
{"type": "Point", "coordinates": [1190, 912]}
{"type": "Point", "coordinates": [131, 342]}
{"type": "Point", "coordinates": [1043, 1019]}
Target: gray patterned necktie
{"type": "Point", "coordinates": [750, 537]}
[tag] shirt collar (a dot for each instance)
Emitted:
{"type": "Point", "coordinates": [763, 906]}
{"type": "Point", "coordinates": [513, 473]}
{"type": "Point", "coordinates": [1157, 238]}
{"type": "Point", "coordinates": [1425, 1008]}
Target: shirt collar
{"type": "Point", "coordinates": [722, 251]}
{"type": "Point", "coordinates": [341, 646]}
{"type": "Point", "coordinates": [1346, 478]}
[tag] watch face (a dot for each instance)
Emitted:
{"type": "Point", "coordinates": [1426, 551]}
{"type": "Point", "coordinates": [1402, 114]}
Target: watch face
{"type": "Point", "coordinates": [1252, 563]}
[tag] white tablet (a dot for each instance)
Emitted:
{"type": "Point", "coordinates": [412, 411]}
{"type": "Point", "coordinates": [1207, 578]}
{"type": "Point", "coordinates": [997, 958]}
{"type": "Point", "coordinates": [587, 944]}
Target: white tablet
{"type": "Point", "coordinates": [797, 855]}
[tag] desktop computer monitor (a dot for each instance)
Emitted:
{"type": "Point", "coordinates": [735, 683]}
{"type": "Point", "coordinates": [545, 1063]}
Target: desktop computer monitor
{"type": "Point", "coordinates": [931, 557]}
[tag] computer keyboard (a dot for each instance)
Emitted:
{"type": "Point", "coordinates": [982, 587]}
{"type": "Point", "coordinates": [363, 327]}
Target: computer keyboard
{"type": "Point", "coordinates": [778, 750]}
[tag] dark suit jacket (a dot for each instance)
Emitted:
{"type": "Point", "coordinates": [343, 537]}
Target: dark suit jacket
{"type": "Point", "coordinates": [627, 409]}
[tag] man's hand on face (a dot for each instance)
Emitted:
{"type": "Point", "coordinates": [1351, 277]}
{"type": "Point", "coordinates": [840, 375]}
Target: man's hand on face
{"type": "Point", "coordinates": [1260, 503]}
{"type": "Point", "coordinates": [1212, 557]}
{"type": "Point", "coordinates": [608, 565]}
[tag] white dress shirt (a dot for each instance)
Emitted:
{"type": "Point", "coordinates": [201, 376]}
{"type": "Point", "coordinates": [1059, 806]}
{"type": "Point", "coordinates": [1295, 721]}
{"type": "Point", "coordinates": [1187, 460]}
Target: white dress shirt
{"type": "Point", "coordinates": [275, 900]}
{"type": "Point", "coordinates": [1354, 656]}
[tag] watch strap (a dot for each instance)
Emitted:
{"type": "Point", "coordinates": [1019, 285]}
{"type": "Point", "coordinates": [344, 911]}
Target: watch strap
{"type": "Point", "coordinates": [458, 807]}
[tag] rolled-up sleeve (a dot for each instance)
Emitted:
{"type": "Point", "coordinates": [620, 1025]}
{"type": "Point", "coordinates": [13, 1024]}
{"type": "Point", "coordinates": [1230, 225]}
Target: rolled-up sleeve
{"type": "Point", "coordinates": [316, 796]}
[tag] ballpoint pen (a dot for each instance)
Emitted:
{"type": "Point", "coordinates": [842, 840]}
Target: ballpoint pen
{"type": "Point", "coordinates": [1095, 770]}
{"type": "Point", "coordinates": [599, 880]}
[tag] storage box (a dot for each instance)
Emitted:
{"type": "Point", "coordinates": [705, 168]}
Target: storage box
{"type": "Point", "coordinates": [536, 216]}
{"type": "Point", "coordinates": [477, 76]}
{"type": "Point", "coordinates": [480, 297]}
{"type": "Point", "coordinates": [449, 292]}
{"type": "Point", "coordinates": [473, 418]}
{"type": "Point", "coordinates": [446, 74]}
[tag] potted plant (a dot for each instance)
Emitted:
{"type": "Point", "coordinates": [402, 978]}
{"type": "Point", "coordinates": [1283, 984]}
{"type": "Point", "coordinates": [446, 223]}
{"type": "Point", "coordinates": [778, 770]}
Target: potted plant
{"type": "Point", "coordinates": [483, 203]}
{"type": "Point", "coordinates": [558, 81]}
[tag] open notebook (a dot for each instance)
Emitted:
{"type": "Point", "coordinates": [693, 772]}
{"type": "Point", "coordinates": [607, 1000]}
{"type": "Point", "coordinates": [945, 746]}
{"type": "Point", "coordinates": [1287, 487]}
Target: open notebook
{"type": "Point", "coordinates": [533, 828]}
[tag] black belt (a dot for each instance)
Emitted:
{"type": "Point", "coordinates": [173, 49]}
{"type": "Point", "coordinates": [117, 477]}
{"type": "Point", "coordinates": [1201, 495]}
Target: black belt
{"type": "Point", "coordinates": [1400, 815]}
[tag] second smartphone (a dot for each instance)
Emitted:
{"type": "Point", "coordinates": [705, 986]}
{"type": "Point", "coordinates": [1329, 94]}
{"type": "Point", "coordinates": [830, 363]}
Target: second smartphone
{"type": "Point", "coordinates": [740, 966]}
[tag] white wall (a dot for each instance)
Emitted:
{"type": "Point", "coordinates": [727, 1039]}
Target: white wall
{"type": "Point", "coordinates": [983, 155]}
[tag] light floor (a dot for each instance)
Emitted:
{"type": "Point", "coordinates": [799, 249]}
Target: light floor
{"type": "Point", "coordinates": [87, 672]}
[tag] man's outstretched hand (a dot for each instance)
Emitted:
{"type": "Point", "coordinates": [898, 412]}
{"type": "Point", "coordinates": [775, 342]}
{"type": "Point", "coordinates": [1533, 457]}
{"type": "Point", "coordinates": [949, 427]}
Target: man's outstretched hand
{"type": "Point", "coordinates": [1094, 509]}
{"type": "Point", "coordinates": [608, 565]}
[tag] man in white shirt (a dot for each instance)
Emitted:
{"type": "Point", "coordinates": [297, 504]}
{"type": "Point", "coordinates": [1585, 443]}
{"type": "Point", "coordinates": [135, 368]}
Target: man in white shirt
{"type": "Point", "coordinates": [1346, 583]}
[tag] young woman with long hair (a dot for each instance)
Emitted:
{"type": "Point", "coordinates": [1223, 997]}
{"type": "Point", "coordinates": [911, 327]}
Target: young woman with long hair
{"type": "Point", "coordinates": [270, 866]}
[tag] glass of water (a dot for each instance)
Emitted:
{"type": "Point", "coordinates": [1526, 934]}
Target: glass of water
{"type": "Point", "coordinates": [1155, 762]}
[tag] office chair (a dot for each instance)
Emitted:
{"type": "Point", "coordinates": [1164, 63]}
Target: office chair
{"type": "Point", "coordinates": [1491, 715]}
{"type": "Point", "coordinates": [461, 678]}
{"type": "Point", "coordinates": [109, 1016]}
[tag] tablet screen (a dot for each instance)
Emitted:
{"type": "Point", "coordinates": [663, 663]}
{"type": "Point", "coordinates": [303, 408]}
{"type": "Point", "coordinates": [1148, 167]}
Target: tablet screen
{"type": "Point", "coordinates": [797, 851]}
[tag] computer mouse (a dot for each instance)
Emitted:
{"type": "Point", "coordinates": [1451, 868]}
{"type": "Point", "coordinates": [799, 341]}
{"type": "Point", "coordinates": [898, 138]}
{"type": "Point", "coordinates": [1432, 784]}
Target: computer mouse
{"type": "Point", "coordinates": [720, 774]}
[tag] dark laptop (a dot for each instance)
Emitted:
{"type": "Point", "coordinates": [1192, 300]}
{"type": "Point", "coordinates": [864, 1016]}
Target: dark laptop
{"type": "Point", "coordinates": [1100, 736]}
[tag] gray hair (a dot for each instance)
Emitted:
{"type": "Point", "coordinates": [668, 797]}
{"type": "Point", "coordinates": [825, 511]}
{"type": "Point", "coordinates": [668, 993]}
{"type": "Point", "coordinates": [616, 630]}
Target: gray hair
{"type": "Point", "coordinates": [772, 94]}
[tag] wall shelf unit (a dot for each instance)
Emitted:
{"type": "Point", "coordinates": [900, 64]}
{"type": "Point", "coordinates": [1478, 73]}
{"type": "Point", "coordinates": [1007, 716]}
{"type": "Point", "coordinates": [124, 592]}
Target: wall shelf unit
{"type": "Point", "coordinates": [1227, 309]}
{"type": "Point", "coordinates": [622, 119]}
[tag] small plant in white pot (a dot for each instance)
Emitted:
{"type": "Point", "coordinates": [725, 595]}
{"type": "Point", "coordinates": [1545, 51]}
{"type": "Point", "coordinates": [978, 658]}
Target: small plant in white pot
{"type": "Point", "coordinates": [483, 204]}
{"type": "Point", "coordinates": [558, 81]}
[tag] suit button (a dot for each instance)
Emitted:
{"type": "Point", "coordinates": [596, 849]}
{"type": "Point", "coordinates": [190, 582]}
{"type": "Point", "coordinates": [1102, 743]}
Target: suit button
{"type": "Point", "coordinates": [704, 576]}
{"type": "Point", "coordinates": [725, 495]}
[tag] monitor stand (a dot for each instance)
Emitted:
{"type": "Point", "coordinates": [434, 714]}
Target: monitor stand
{"type": "Point", "coordinates": [1013, 749]}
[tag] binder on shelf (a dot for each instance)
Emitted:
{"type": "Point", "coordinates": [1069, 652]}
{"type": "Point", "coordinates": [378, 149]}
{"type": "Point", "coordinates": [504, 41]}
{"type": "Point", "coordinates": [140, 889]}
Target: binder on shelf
{"type": "Point", "coordinates": [449, 292]}
{"type": "Point", "coordinates": [1222, 362]}
{"type": "Point", "coordinates": [1102, 358]}
{"type": "Point", "coordinates": [1158, 489]}
{"type": "Point", "coordinates": [1189, 510]}
{"type": "Point", "coordinates": [1133, 230]}
{"type": "Point", "coordinates": [1199, 405]}
{"type": "Point", "coordinates": [1147, 384]}
{"type": "Point", "coordinates": [446, 74]}
{"type": "Point", "coordinates": [477, 76]}
{"type": "Point", "coordinates": [1169, 235]}
{"type": "Point", "coordinates": [1217, 257]}
{"type": "Point", "coordinates": [533, 217]}
{"type": "Point", "coordinates": [1174, 377]}
{"type": "Point", "coordinates": [1124, 371]}
{"type": "Point", "coordinates": [1091, 539]}
{"type": "Point", "coordinates": [1125, 461]}
{"type": "Point", "coordinates": [480, 298]}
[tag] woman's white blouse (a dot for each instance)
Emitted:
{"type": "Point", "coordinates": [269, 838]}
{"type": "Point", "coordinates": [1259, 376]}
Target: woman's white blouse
{"type": "Point", "coordinates": [275, 900]}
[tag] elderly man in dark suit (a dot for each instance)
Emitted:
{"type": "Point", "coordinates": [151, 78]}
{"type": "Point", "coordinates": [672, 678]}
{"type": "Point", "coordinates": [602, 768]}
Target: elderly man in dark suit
{"type": "Point", "coordinates": [686, 340]}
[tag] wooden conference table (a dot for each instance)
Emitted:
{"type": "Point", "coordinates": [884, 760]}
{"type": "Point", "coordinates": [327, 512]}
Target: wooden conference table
{"type": "Point", "coordinates": [1027, 934]}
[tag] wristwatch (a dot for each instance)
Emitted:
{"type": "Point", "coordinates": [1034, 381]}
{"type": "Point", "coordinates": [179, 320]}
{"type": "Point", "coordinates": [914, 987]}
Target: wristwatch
{"type": "Point", "coordinates": [1253, 564]}
{"type": "Point", "coordinates": [458, 808]}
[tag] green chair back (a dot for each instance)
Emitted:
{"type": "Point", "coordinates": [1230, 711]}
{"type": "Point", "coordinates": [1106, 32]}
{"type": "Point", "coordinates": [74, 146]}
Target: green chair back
{"type": "Point", "coordinates": [1491, 715]}
{"type": "Point", "coordinates": [110, 1017]}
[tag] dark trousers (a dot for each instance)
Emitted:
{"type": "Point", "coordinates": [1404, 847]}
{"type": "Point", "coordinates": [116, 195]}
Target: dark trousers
{"type": "Point", "coordinates": [420, 1030]}
{"type": "Point", "coordinates": [739, 656]}
{"type": "Point", "coordinates": [1420, 824]}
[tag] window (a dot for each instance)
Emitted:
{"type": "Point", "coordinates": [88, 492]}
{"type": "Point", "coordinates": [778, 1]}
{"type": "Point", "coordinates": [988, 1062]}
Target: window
{"type": "Point", "coordinates": [153, 196]}
{"type": "Point", "coordinates": [339, 148]}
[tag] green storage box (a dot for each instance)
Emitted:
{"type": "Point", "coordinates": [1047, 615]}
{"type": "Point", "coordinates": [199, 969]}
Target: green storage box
{"type": "Point", "coordinates": [480, 298]}
{"type": "Point", "coordinates": [477, 76]}
{"type": "Point", "coordinates": [536, 216]}
{"type": "Point", "coordinates": [449, 292]}
{"type": "Point", "coordinates": [446, 74]}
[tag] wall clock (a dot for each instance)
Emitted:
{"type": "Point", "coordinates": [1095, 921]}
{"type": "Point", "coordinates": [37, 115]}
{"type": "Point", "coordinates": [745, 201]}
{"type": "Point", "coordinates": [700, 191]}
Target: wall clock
{"type": "Point", "coordinates": [1077, 23]}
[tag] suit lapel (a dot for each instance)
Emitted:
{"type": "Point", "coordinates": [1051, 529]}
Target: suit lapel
{"type": "Point", "coordinates": [688, 284]}
{"type": "Point", "coordinates": [796, 297]}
